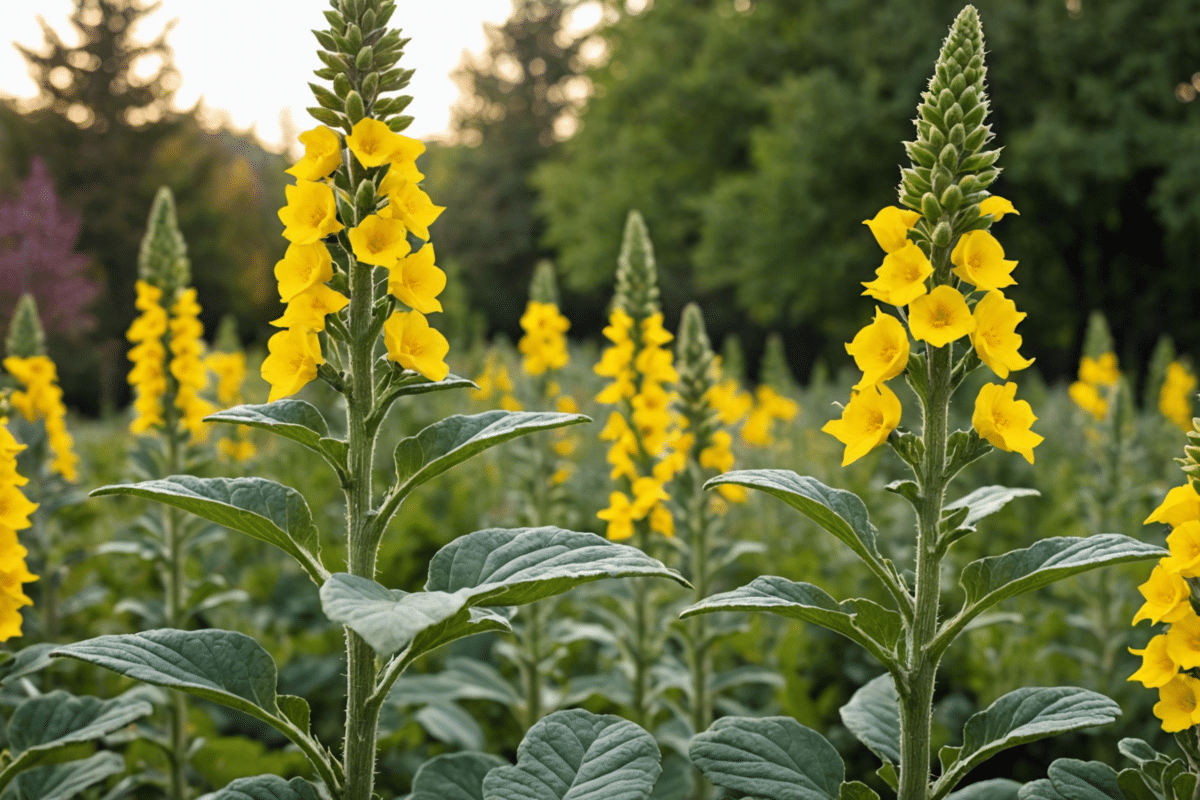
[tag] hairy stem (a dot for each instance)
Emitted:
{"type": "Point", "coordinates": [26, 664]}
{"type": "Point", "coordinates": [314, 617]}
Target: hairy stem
{"type": "Point", "coordinates": [176, 600]}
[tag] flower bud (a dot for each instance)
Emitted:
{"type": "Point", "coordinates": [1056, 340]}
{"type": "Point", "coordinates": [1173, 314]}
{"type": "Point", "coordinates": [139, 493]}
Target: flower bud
{"type": "Point", "coordinates": [952, 199]}
{"type": "Point", "coordinates": [364, 59]}
{"type": "Point", "coordinates": [370, 86]}
{"type": "Point", "coordinates": [330, 118]}
{"type": "Point", "coordinates": [958, 136]}
{"type": "Point", "coordinates": [948, 158]}
{"type": "Point", "coordinates": [930, 208]}
{"type": "Point", "coordinates": [355, 110]}
{"type": "Point", "coordinates": [942, 234]}
{"type": "Point", "coordinates": [353, 37]}
{"type": "Point", "coordinates": [941, 179]}
{"type": "Point", "coordinates": [953, 115]}
{"type": "Point", "coordinates": [341, 86]}
{"type": "Point", "coordinates": [364, 198]}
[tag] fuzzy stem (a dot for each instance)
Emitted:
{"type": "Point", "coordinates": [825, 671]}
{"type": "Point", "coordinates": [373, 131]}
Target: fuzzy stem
{"type": "Point", "coordinates": [700, 656]}
{"type": "Point", "coordinates": [176, 598]}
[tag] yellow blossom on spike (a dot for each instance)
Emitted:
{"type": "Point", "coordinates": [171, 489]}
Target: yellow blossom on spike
{"type": "Point", "coordinates": [1158, 668]}
{"type": "Point", "coordinates": [662, 521]}
{"type": "Point", "coordinates": [1166, 597]}
{"type": "Point", "coordinates": [866, 421]}
{"type": "Point", "coordinates": [417, 282]}
{"type": "Point", "coordinates": [1184, 543]}
{"type": "Point", "coordinates": [1102, 371]}
{"type": "Point", "coordinates": [615, 360]}
{"type": "Point", "coordinates": [619, 326]}
{"type": "Point", "coordinates": [544, 344]}
{"type": "Point", "coordinates": [940, 317]}
{"type": "Point", "coordinates": [1175, 396]}
{"type": "Point", "coordinates": [978, 259]}
{"type": "Point", "coordinates": [730, 401]}
{"type": "Point", "coordinates": [620, 456]}
{"type": "Point", "coordinates": [1176, 705]}
{"type": "Point", "coordinates": [1183, 641]}
{"type": "Point", "coordinates": [1088, 397]}
{"type": "Point", "coordinates": [308, 309]}
{"type": "Point", "coordinates": [379, 241]}
{"type": "Point", "coordinates": [373, 142]}
{"type": "Point", "coordinates": [614, 428]}
{"type": "Point", "coordinates": [901, 277]}
{"type": "Point", "coordinates": [15, 508]}
{"type": "Point", "coordinates": [1005, 421]}
{"type": "Point", "coordinates": [653, 332]}
{"type": "Point", "coordinates": [566, 405]}
{"type": "Point", "coordinates": [619, 517]}
{"type": "Point", "coordinates": [399, 173]}
{"type": "Point", "coordinates": [310, 213]}
{"type": "Point", "coordinates": [240, 450]}
{"type": "Point", "coordinates": [997, 207]}
{"type": "Point", "coordinates": [509, 403]}
{"type": "Point", "coordinates": [291, 363]}
{"type": "Point", "coordinates": [302, 267]}
{"type": "Point", "coordinates": [322, 154]}
{"type": "Point", "coordinates": [890, 227]}
{"type": "Point", "coordinates": [718, 455]}
{"type": "Point", "coordinates": [995, 336]}
{"type": "Point", "coordinates": [647, 493]}
{"type": "Point", "coordinates": [230, 369]}
{"type": "Point", "coordinates": [414, 345]}
{"type": "Point", "coordinates": [618, 390]}
{"type": "Point", "coordinates": [732, 492]}
{"type": "Point", "coordinates": [13, 573]}
{"type": "Point", "coordinates": [412, 206]}
{"type": "Point", "coordinates": [1182, 504]}
{"type": "Point", "coordinates": [561, 475]}
{"type": "Point", "coordinates": [565, 447]}
{"type": "Point", "coordinates": [880, 350]}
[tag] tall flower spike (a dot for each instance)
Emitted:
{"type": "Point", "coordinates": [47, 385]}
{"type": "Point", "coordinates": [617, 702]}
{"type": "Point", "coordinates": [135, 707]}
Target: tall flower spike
{"type": "Point", "coordinates": [163, 260]}
{"type": "Point", "coordinates": [25, 335]}
{"type": "Point", "coordinates": [544, 288]}
{"type": "Point", "coordinates": [637, 277]}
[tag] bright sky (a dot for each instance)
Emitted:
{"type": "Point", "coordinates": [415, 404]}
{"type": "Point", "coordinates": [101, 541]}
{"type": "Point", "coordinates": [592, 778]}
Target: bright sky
{"type": "Point", "coordinates": [253, 58]}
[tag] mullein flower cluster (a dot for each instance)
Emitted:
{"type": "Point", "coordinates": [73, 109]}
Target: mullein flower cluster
{"type": "Point", "coordinates": [496, 380]}
{"type": "Point", "coordinates": [148, 354]}
{"type": "Point", "coordinates": [230, 368]}
{"type": "Point", "coordinates": [937, 315]}
{"type": "Point", "coordinates": [187, 364]}
{"type": "Point", "coordinates": [1097, 378]}
{"type": "Point", "coordinates": [15, 509]}
{"type": "Point", "coordinates": [768, 407]}
{"type": "Point", "coordinates": [1175, 396]}
{"type": "Point", "coordinates": [41, 398]}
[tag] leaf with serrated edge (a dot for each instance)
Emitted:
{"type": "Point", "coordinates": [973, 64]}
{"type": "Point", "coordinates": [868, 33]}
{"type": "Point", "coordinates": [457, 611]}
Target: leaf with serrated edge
{"type": "Point", "coordinates": [992, 789]}
{"type": "Point", "coordinates": [872, 626]}
{"type": "Point", "coordinates": [842, 513]}
{"type": "Point", "coordinates": [1022, 716]}
{"type": "Point", "coordinates": [292, 419]}
{"type": "Point", "coordinates": [572, 755]}
{"type": "Point", "coordinates": [456, 776]}
{"type": "Point", "coordinates": [873, 716]}
{"type": "Point", "coordinates": [265, 787]}
{"type": "Point", "coordinates": [455, 439]}
{"type": "Point", "coordinates": [64, 781]}
{"type": "Point", "coordinates": [266, 510]}
{"type": "Point", "coordinates": [987, 500]}
{"type": "Point", "coordinates": [769, 757]}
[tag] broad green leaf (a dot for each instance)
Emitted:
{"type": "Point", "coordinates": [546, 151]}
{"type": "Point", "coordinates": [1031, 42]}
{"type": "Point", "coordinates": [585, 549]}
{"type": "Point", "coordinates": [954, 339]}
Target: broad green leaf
{"type": "Point", "coordinates": [873, 716]}
{"type": "Point", "coordinates": [1139, 751]}
{"type": "Point", "coordinates": [467, 622]}
{"type": "Point", "coordinates": [676, 779]}
{"type": "Point", "coordinates": [872, 626]}
{"type": "Point", "coordinates": [292, 419]}
{"type": "Point", "coordinates": [457, 776]}
{"type": "Point", "coordinates": [388, 619]}
{"type": "Point", "coordinates": [416, 384]}
{"type": "Point", "coordinates": [1022, 716]}
{"type": "Point", "coordinates": [987, 500]}
{"type": "Point", "coordinates": [993, 789]}
{"type": "Point", "coordinates": [774, 758]}
{"type": "Point", "coordinates": [840, 512]}
{"type": "Point", "coordinates": [449, 723]}
{"type": "Point", "coordinates": [1135, 786]}
{"type": "Point", "coordinates": [266, 510]}
{"type": "Point", "coordinates": [26, 661]}
{"type": "Point", "coordinates": [454, 439]}
{"type": "Point", "coordinates": [1070, 779]}
{"type": "Point", "coordinates": [265, 787]}
{"type": "Point", "coordinates": [857, 790]}
{"type": "Point", "coordinates": [462, 679]}
{"type": "Point", "coordinates": [991, 580]}
{"type": "Point", "coordinates": [573, 755]}
{"type": "Point", "coordinates": [64, 781]}
{"type": "Point", "coordinates": [508, 567]}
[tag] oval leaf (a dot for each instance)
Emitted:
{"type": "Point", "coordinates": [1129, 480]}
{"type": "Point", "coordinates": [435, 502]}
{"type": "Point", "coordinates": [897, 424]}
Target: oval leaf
{"type": "Point", "coordinates": [1022, 716]}
{"type": "Point", "coordinates": [873, 716]}
{"type": "Point", "coordinates": [265, 787]}
{"type": "Point", "coordinates": [457, 776]}
{"type": "Point", "coordinates": [775, 758]}
{"type": "Point", "coordinates": [266, 510]}
{"type": "Point", "coordinates": [987, 500]}
{"type": "Point", "coordinates": [508, 567]}
{"type": "Point", "coordinates": [571, 755]}
{"type": "Point", "coordinates": [388, 619]}
{"type": "Point", "coordinates": [415, 383]}
{"type": "Point", "coordinates": [872, 626]}
{"type": "Point", "coordinates": [64, 781]}
{"type": "Point", "coordinates": [292, 419]}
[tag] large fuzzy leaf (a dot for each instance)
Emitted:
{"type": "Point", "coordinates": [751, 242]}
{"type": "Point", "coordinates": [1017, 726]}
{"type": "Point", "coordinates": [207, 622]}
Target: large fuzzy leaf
{"type": "Point", "coordinates": [266, 510]}
{"type": "Point", "coordinates": [1071, 779]}
{"type": "Point", "coordinates": [64, 781]}
{"type": "Point", "coordinates": [578, 755]}
{"type": "Point", "coordinates": [774, 758]}
{"type": "Point", "coordinates": [265, 787]}
{"type": "Point", "coordinates": [387, 618]}
{"type": "Point", "coordinates": [292, 419]}
{"type": "Point", "coordinates": [872, 626]}
{"type": "Point", "coordinates": [1022, 716]}
{"type": "Point", "coordinates": [873, 716]}
{"type": "Point", "coordinates": [456, 776]}
{"type": "Point", "coordinates": [987, 500]}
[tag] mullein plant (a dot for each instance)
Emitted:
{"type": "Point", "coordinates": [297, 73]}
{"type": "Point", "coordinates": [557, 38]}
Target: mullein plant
{"type": "Point", "coordinates": [227, 362]}
{"type": "Point", "coordinates": [1099, 370]}
{"type": "Point", "coordinates": [358, 280]}
{"type": "Point", "coordinates": [944, 273]}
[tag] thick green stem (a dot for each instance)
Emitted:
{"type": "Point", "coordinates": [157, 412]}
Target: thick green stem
{"type": "Point", "coordinates": [361, 715]}
{"type": "Point", "coordinates": [175, 578]}
{"type": "Point", "coordinates": [531, 664]}
{"type": "Point", "coordinates": [701, 660]}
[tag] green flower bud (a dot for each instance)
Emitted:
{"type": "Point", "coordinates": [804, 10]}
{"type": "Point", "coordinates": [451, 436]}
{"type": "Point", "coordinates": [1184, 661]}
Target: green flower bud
{"type": "Point", "coordinates": [951, 199]}
{"type": "Point", "coordinates": [543, 288]}
{"type": "Point", "coordinates": [353, 38]}
{"type": "Point", "coordinates": [694, 360]}
{"type": "Point", "coordinates": [162, 260]}
{"type": "Point", "coordinates": [958, 137]}
{"type": "Point", "coordinates": [637, 277]}
{"type": "Point", "coordinates": [942, 178]}
{"type": "Point", "coordinates": [398, 124]}
{"type": "Point", "coordinates": [948, 158]}
{"type": "Point", "coordinates": [733, 358]}
{"type": "Point", "coordinates": [930, 208]}
{"type": "Point", "coordinates": [774, 370]}
{"type": "Point", "coordinates": [355, 110]}
{"type": "Point", "coordinates": [1098, 340]}
{"type": "Point", "coordinates": [368, 20]}
{"type": "Point", "coordinates": [942, 234]}
{"type": "Point", "coordinates": [364, 198]}
{"type": "Point", "coordinates": [364, 59]}
{"type": "Point", "coordinates": [330, 118]}
{"type": "Point", "coordinates": [25, 335]}
{"type": "Point", "coordinates": [920, 154]}
{"type": "Point", "coordinates": [341, 87]}
{"type": "Point", "coordinates": [336, 21]}
{"type": "Point", "coordinates": [326, 98]}
{"type": "Point", "coordinates": [325, 39]}
{"type": "Point", "coordinates": [370, 86]}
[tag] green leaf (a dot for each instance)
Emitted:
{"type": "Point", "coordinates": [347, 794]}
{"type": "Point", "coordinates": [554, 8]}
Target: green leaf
{"type": "Point", "coordinates": [457, 776]}
{"type": "Point", "coordinates": [265, 787]}
{"type": "Point", "coordinates": [1184, 786]}
{"type": "Point", "coordinates": [1070, 779]}
{"type": "Point", "coordinates": [388, 619]}
{"type": "Point", "coordinates": [775, 758]}
{"type": "Point", "coordinates": [857, 790]}
{"type": "Point", "coordinates": [872, 626]}
{"type": "Point", "coordinates": [987, 500]}
{"type": "Point", "coordinates": [414, 383]}
{"type": "Point", "coordinates": [266, 510]}
{"type": "Point", "coordinates": [449, 723]}
{"type": "Point", "coordinates": [292, 419]}
{"type": "Point", "coordinates": [455, 439]}
{"type": "Point", "coordinates": [26, 661]}
{"type": "Point", "coordinates": [840, 512]}
{"type": "Point", "coordinates": [993, 789]}
{"type": "Point", "coordinates": [50, 722]}
{"type": "Point", "coordinates": [873, 716]}
{"type": "Point", "coordinates": [1022, 716]}
{"type": "Point", "coordinates": [572, 755]}
{"type": "Point", "coordinates": [1134, 786]}
{"type": "Point", "coordinates": [64, 781]}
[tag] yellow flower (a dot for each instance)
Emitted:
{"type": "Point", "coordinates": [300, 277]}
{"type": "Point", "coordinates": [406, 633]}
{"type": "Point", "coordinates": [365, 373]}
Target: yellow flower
{"type": "Point", "coordinates": [1102, 371]}
{"type": "Point", "coordinates": [1175, 396]}
{"type": "Point", "coordinates": [730, 402]}
{"type": "Point", "coordinates": [901, 277]}
{"type": "Point", "coordinates": [13, 573]}
{"type": "Point", "coordinates": [566, 405]}
{"type": "Point", "coordinates": [890, 227]}
{"type": "Point", "coordinates": [1166, 597]}
{"type": "Point", "coordinates": [322, 154]}
{"type": "Point", "coordinates": [1158, 668]}
{"type": "Point", "coordinates": [412, 206]}
{"type": "Point", "coordinates": [978, 259]}
{"type": "Point", "coordinates": [240, 450]}
{"type": "Point", "coordinates": [732, 492]}
{"type": "Point", "coordinates": [1176, 705]}
{"type": "Point", "coordinates": [544, 344]}
{"type": "Point", "coordinates": [1184, 543]}
{"type": "Point", "coordinates": [866, 421]}
{"type": "Point", "coordinates": [1005, 421]}
{"type": "Point", "coordinates": [561, 475]}
{"type": "Point", "coordinates": [374, 143]}
{"type": "Point", "coordinates": [615, 360]}
{"type": "Point", "coordinates": [619, 517]}
{"type": "Point", "coordinates": [1088, 397]}
{"type": "Point", "coordinates": [303, 266]}
{"type": "Point", "coordinates": [565, 447]}
{"type": "Point", "coordinates": [230, 369]}
{"type": "Point", "coordinates": [509, 403]}
{"type": "Point", "coordinates": [308, 309]}
{"type": "Point", "coordinates": [662, 521]}
{"type": "Point", "coordinates": [619, 327]}
{"type": "Point", "coordinates": [940, 317]}
{"type": "Point", "coordinates": [1182, 504]}
{"type": "Point", "coordinates": [647, 493]}
{"type": "Point", "coordinates": [401, 172]}
{"type": "Point", "coordinates": [1183, 641]}
{"type": "Point", "coordinates": [294, 355]}
{"type": "Point", "coordinates": [718, 455]}
{"type": "Point", "coordinates": [620, 457]}
{"type": "Point", "coordinates": [417, 282]}
{"type": "Point", "coordinates": [880, 350]}
{"type": "Point", "coordinates": [379, 241]}
{"type": "Point", "coordinates": [995, 336]}
{"type": "Point", "coordinates": [414, 345]}
{"type": "Point", "coordinates": [15, 508]}
{"type": "Point", "coordinates": [310, 213]}
{"type": "Point", "coordinates": [997, 207]}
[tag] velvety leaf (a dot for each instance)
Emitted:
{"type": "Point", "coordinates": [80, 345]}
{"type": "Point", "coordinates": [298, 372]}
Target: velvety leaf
{"type": "Point", "coordinates": [455, 439]}
{"type": "Point", "coordinates": [987, 500]}
{"type": "Point", "coordinates": [456, 776]}
{"type": "Point", "coordinates": [46, 723]}
{"type": "Point", "coordinates": [64, 781]}
{"type": "Point", "coordinates": [872, 626]}
{"type": "Point", "coordinates": [1071, 779]}
{"type": "Point", "coordinates": [840, 512]}
{"type": "Point", "coordinates": [264, 509]}
{"type": "Point", "coordinates": [1139, 751]}
{"type": "Point", "coordinates": [449, 723]}
{"type": "Point", "coordinates": [993, 789]}
{"type": "Point", "coordinates": [774, 758]}
{"type": "Point", "coordinates": [676, 779]}
{"type": "Point", "coordinates": [265, 787]}
{"type": "Point", "coordinates": [388, 619]}
{"type": "Point", "coordinates": [873, 716]}
{"type": "Point", "coordinates": [416, 384]}
{"type": "Point", "coordinates": [292, 419]}
{"type": "Point", "coordinates": [578, 755]}
{"type": "Point", "coordinates": [1134, 786]}
{"type": "Point", "coordinates": [26, 661]}
{"type": "Point", "coordinates": [1022, 716]}
{"type": "Point", "coordinates": [857, 790]}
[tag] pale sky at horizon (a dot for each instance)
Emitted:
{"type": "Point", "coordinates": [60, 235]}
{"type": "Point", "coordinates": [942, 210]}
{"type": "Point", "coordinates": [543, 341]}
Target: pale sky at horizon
{"type": "Point", "coordinates": [253, 58]}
